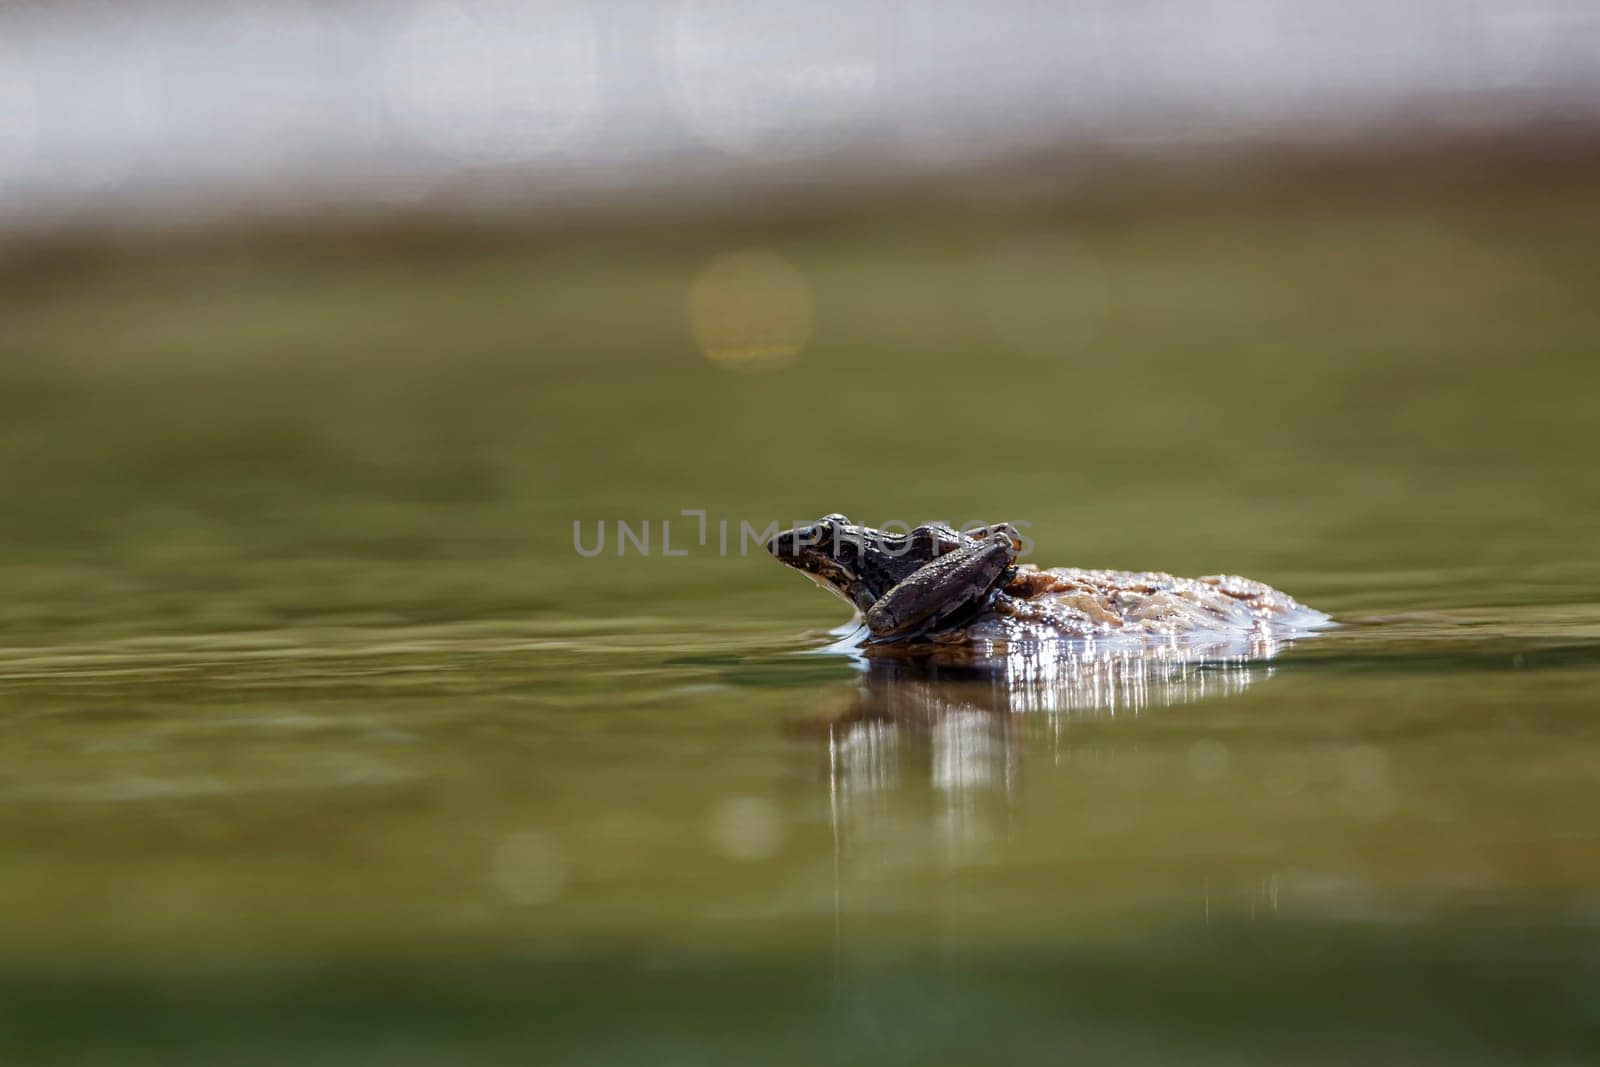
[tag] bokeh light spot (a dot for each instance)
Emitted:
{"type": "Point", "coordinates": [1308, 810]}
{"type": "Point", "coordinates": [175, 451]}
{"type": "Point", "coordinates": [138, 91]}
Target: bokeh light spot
{"type": "Point", "coordinates": [492, 81]}
{"type": "Point", "coordinates": [529, 869]}
{"type": "Point", "coordinates": [1208, 760]}
{"type": "Point", "coordinates": [746, 828]}
{"type": "Point", "coordinates": [772, 79]}
{"type": "Point", "coordinates": [750, 310]}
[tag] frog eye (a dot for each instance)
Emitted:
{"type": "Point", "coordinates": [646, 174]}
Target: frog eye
{"type": "Point", "coordinates": [835, 520]}
{"type": "Point", "coordinates": [809, 536]}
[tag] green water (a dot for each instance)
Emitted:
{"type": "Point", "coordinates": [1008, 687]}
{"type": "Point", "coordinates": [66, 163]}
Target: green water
{"type": "Point", "coordinates": [322, 742]}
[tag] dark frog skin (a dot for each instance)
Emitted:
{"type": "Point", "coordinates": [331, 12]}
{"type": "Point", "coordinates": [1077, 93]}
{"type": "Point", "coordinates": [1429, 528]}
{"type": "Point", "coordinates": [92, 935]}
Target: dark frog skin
{"type": "Point", "coordinates": [926, 581]}
{"type": "Point", "coordinates": [938, 584]}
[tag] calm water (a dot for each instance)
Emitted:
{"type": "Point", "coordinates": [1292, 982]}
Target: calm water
{"type": "Point", "coordinates": [321, 740]}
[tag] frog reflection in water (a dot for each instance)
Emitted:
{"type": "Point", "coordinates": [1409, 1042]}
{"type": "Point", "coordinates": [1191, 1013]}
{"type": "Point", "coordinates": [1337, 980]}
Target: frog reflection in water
{"type": "Point", "coordinates": [937, 585]}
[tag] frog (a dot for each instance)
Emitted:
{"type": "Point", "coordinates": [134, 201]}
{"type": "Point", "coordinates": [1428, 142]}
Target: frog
{"type": "Point", "coordinates": [936, 584]}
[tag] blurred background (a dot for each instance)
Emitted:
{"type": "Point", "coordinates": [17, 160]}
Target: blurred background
{"type": "Point", "coordinates": [173, 112]}
{"type": "Point", "coordinates": [322, 324]}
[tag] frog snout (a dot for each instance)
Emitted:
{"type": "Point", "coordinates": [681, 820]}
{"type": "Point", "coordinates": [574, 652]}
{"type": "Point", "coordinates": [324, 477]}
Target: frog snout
{"type": "Point", "coordinates": [791, 543]}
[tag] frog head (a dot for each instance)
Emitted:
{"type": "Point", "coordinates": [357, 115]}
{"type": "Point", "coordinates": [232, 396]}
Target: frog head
{"type": "Point", "coordinates": [857, 563]}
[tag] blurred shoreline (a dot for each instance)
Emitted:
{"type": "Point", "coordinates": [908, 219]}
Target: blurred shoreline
{"type": "Point", "coordinates": [1039, 184]}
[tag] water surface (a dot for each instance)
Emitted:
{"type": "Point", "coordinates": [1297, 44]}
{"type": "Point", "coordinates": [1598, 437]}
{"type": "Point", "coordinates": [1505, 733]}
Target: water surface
{"type": "Point", "coordinates": [322, 741]}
